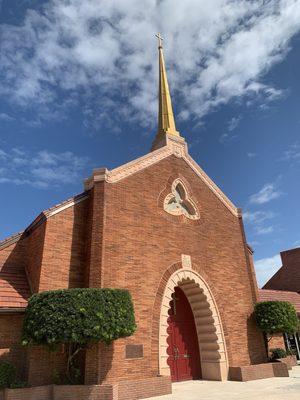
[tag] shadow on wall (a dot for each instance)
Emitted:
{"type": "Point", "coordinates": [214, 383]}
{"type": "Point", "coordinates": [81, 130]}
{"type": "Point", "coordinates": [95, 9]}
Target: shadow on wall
{"type": "Point", "coordinates": [255, 336]}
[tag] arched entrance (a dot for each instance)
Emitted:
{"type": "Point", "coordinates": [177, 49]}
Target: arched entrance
{"type": "Point", "coordinates": [208, 325]}
{"type": "Point", "coordinates": [183, 349]}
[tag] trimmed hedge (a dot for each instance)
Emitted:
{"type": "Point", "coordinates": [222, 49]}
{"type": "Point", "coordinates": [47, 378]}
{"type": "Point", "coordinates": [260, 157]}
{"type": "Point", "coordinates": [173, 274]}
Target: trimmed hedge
{"type": "Point", "coordinates": [277, 353]}
{"type": "Point", "coordinates": [78, 316]}
{"type": "Point", "coordinates": [7, 374]}
{"type": "Point", "coordinates": [276, 317]}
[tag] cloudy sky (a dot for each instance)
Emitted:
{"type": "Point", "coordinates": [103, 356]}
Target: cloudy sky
{"type": "Point", "coordinates": [78, 90]}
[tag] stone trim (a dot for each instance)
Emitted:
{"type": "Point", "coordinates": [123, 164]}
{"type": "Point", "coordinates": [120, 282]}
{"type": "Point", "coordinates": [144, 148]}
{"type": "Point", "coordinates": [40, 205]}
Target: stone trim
{"type": "Point", "coordinates": [211, 338]}
{"type": "Point", "coordinates": [173, 146]}
{"type": "Point", "coordinates": [10, 240]}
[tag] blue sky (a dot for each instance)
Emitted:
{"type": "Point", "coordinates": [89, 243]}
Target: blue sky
{"type": "Point", "coordinates": [78, 88]}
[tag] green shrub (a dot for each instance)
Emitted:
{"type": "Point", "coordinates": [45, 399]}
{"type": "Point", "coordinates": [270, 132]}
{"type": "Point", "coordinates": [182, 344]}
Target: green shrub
{"type": "Point", "coordinates": [276, 317]}
{"type": "Point", "coordinates": [277, 353]}
{"type": "Point", "coordinates": [7, 374]}
{"type": "Point", "coordinates": [77, 317]}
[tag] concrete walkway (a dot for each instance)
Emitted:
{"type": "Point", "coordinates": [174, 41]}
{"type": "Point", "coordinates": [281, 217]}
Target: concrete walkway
{"type": "Point", "coordinates": [263, 389]}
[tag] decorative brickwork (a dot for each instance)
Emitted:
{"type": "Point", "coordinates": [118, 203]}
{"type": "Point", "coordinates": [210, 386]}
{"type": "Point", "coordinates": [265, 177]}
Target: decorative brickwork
{"type": "Point", "coordinates": [209, 327]}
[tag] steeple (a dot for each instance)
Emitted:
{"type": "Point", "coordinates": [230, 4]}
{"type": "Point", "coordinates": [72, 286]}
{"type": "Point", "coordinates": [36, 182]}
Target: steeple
{"type": "Point", "coordinates": [166, 122]}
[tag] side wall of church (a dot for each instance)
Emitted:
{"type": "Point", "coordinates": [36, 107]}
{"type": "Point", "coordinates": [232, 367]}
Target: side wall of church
{"type": "Point", "coordinates": [64, 249]}
{"type": "Point", "coordinates": [141, 241]}
{"type": "Point", "coordinates": [54, 256]}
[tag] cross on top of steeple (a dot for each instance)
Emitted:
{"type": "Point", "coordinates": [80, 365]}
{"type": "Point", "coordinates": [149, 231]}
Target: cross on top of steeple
{"type": "Point", "coordinates": [160, 39]}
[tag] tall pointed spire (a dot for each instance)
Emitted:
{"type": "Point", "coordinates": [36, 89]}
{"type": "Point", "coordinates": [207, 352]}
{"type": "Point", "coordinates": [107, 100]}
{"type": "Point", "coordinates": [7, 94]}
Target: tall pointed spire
{"type": "Point", "coordinates": [166, 122]}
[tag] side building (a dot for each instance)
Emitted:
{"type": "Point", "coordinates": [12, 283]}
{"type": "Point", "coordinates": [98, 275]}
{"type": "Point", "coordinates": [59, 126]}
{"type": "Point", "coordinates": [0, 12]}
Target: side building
{"type": "Point", "coordinates": [284, 285]}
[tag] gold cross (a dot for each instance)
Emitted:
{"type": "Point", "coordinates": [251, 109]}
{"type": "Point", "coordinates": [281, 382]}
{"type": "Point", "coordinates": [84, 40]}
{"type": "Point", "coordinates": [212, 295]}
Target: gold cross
{"type": "Point", "coordinates": [160, 39]}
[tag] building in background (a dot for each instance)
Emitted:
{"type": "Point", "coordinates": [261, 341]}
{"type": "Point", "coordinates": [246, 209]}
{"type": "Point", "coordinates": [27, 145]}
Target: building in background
{"type": "Point", "coordinates": [284, 285]}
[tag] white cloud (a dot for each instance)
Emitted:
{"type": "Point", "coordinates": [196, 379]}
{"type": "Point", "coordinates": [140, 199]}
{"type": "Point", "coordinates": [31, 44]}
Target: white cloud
{"type": "Point", "coordinates": [263, 230]}
{"type": "Point", "coordinates": [257, 219]}
{"type": "Point", "coordinates": [41, 170]}
{"type": "Point", "coordinates": [233, 123]}
{"type": "Point", "coordinates": [267, 193]}
{"type": "Point", "coordinates": [266, 267]}
{"type": "Point", "coordinates": [292, 153]}
{"type": "Point", "coordinates": [5, 117]}
{"type": "Point", "coordinates": [104, 52]}
{"type": "Point", "coordinates": [251, 155]}
{"type": "Point", "coordinates": [231, 126]}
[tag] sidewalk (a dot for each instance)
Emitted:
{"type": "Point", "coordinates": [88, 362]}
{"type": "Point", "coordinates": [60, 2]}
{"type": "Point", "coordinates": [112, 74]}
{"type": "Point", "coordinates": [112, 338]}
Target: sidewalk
{"type": "Point", "coordinates": [264, 389]}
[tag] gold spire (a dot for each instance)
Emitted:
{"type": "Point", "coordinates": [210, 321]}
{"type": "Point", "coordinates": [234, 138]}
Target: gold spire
{"type": "Point", "coordinates": [166, 122]}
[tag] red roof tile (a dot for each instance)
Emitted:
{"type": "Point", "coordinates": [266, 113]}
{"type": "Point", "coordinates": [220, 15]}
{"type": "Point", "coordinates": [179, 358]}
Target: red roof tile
{"type": "Point", "coordinates": [280, 295]}
{"type": "Point", "coordinates": [14, 288]}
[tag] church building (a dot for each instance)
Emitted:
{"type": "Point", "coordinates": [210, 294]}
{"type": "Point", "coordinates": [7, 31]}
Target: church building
{"type": "Point", "coordinates": [161, 228]}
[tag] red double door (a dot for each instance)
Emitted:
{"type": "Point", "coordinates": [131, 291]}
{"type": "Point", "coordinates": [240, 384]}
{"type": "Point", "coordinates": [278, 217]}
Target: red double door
{"type": "Point", "coordinates": [183, 348]}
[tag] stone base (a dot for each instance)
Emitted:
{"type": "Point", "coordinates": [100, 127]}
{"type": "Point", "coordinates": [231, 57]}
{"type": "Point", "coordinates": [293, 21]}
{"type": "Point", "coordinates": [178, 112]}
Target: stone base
{"type": "Point", "coordinates": [258, 371]}
{"type": "Point", "coordinates": [124, 390]}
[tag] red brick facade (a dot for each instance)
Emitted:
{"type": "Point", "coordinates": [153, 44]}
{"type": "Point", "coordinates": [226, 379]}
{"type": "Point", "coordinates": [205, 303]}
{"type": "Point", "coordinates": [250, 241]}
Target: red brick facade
{"type": "Point", "coordinates": [288, 276]}
{"type": "Point", "coordinates": [117, 234]}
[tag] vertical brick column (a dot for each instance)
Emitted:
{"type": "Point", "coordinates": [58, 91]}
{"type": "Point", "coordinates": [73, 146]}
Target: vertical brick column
{"type": "Point", "coordinates": [249, 261]}
{"type": "Point", "coordinates": [95, 359]}
{"type": "Point", "coordinates": [97, 223]}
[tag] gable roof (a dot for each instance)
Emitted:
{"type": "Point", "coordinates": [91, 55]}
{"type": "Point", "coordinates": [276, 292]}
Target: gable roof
{"type": "Point", "coordinates": [14, 288]}
{"type": "Point", "coordinates": [175, 146]}
{"type": "Point", "coordinates": [280, 295]}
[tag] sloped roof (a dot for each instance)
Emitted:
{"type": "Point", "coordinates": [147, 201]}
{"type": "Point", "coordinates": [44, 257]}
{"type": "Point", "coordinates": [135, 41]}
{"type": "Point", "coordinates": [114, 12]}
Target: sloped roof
{"type": "Point", "coordinates": [42, 217]}
{"type": "Point", "coordinates": [280, 295]}
{"type": "Point", "coordinates": [14, 288]}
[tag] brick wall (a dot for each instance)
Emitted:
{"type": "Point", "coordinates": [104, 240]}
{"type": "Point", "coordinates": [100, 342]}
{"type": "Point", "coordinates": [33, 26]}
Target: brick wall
{"type": "Point", "coordinates": [35, 393]}
{"type": "Point", "coordinates": [11, 349]}
{"type": "Point", "coordinates": [288, 276]}
{"type": "Point", "coordinates": [276, 341]}
{"type": "Point", "coordinates": [259, 371]}
{"type": "Point", "coordinates": [126, 390]}
{"type": "Point", "coordinates": [63, 264]}
{"type": "Point", "coordinates": [145, 388]}
{"type": "Point", "coordinates": [44, 366]}
{"type": "Point", "coordinates": [35, 252]}
{"type": "Point", "coordinates": [122, 237]}
{"type": "Point", "coordinates": [141, 241]}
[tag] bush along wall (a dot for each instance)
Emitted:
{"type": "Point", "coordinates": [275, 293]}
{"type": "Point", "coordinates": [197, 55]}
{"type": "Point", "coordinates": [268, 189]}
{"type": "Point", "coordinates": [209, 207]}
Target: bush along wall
{"type": "Point", "coordinates": [275, 317]}
{"type": "Point", "coordinates": [76, 318]}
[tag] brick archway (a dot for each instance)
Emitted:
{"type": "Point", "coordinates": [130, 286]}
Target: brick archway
{"type": "Point", "coordinates": [210, 333]}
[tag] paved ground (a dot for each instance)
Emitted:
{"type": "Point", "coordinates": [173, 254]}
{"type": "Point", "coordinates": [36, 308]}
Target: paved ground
{"type": "Point", "coordinates": [263, 389]}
